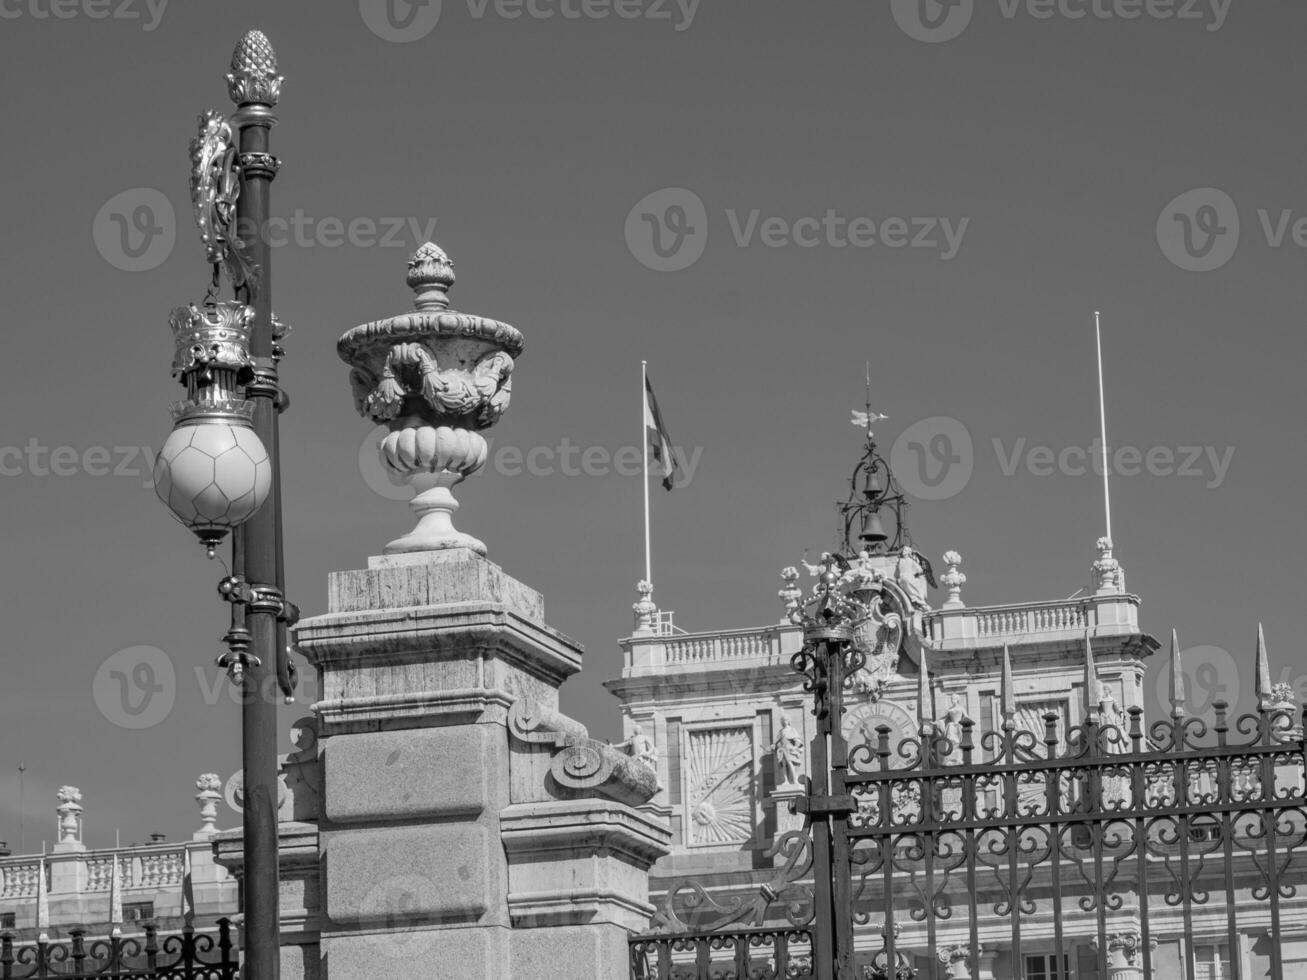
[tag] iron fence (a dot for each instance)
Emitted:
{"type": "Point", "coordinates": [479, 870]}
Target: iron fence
{"type": "Point", "coordinates": [188, 955]}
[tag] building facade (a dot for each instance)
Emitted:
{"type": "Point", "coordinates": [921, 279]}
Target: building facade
{"type": "Point", "coordinates": [731, 727]}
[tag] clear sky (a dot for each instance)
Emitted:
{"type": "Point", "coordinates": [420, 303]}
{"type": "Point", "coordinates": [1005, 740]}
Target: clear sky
{"type": "Point", "coordinates": [1041, 165]}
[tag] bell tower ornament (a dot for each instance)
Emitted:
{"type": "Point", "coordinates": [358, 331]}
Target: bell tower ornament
{"type": "Point", "coordinates": [436, 378]}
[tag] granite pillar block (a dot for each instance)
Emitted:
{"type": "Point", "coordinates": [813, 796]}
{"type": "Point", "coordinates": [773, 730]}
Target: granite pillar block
{"type": "Point", "coordinates": [409, 876]}
{"type": "Point", "coordinates": [414, 775]}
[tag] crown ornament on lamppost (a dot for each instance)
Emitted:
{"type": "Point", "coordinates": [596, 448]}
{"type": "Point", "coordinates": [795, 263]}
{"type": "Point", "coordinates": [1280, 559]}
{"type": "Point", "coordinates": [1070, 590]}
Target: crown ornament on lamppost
{"type": "Point", "coordinates": [436, 379]}
{"type": "Point", "coordinates": [213, 471]}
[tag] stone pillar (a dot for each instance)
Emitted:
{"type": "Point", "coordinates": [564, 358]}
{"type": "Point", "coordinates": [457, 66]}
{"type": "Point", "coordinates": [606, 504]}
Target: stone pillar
{"type": "Point", "coordinates": [447, 840]}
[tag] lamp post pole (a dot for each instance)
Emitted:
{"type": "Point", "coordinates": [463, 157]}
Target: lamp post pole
{"type": "Point", "coordinates": [256, 546]}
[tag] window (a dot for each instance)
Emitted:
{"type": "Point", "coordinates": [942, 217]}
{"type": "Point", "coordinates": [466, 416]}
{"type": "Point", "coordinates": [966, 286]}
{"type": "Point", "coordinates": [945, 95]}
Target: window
{"type": "Point", "coordinates": [1212, 962]}
{"type": "Point", "coordinates": [137, 911]}
{"type": "Point", "coordinates": [8, 920]}
{"type": "Point", "coordinates": [1046, 967]}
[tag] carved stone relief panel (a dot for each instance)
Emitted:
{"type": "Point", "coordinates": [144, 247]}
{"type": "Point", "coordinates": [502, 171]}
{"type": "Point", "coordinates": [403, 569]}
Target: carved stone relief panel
{"type": "Point", "coordinates": [719, 767]}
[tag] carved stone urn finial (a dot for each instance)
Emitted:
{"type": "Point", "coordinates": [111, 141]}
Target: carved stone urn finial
{"type": "Point", "coordinates": [1109, 576]}
{"type": "Point", "coordinates": [70, 815]}
{"type": "Point", "coordinates": [644, 608]}
{"type": "Point", "coordinates": [210, 792]}
{"type": "Point", "coordinates": [953, 580]}
{"type": "Point", "coordinates": [790, 593]}
{"type": "Point", "coordinates": [435, 378]}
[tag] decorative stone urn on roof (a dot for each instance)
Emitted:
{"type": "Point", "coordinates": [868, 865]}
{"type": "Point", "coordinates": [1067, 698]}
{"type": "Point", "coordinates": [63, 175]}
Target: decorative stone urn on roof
{"type": "Point", "coordinates": [436, 378]}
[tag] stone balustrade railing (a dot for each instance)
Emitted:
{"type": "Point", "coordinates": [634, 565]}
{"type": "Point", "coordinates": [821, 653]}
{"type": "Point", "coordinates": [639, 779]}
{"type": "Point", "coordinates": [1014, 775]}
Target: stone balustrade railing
{"type": "Point", "coordinates": [984, 626]}
{"type": "Point", "coordinates": [18, 878]}
{"type": "Point", "coordinates": [949, 629]}
{"type": "Point", "coordinates": [723, 648]}
{"type": "Point", "coordinates": [158, 867]}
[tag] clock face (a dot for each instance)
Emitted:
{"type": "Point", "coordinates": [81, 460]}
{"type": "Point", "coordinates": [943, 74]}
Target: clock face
{"type": "Point", "coordinates": [719, 785]}
{"type": "Point", "coordinates": [861, 722]}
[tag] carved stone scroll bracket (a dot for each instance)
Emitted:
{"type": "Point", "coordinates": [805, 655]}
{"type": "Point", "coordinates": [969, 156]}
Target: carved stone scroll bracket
{"type": "Point", "coordinates": [578, 766]}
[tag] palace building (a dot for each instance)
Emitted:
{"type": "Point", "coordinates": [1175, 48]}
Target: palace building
{"type": "Point", "coordinates": [732, 729]}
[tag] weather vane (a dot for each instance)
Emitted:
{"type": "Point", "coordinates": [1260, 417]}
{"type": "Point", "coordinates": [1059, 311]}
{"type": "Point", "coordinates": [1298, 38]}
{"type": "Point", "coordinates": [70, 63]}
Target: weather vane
{"type": "Point", "coordinates": [866, 419]}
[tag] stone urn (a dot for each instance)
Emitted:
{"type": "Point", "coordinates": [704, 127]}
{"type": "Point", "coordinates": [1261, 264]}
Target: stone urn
{"type": "Point", "coordinates": [436, 378]}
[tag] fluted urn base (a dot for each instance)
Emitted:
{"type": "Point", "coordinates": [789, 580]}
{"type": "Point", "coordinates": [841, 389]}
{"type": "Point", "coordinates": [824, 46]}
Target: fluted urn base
{"type": "Point", "coordinates": [434, 507]}
{"type": "Point", "coordinates": [432, 459]}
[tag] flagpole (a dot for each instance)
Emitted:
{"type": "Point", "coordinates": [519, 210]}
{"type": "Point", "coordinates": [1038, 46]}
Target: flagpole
{"type": "Point", "coordinates": [644, 442]}
{"type": "Point", "coordinates": [1102, 423]}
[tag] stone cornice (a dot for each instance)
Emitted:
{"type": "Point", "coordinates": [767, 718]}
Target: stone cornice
{"type": "Point", "coordinates": [445, 632]}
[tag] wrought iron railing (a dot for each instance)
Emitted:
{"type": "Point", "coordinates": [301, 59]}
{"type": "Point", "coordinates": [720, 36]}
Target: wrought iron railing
{"type": "Point", "coordinates": [775, 953]}
{"type": "Point", "coordinates": [188, 955]}
{"type": "Point", "coordinates": [1101, 840]}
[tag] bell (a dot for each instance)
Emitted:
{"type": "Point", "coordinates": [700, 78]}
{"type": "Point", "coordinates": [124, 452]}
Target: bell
{"type": "Point", "coordinates": [872, 531]}
{"type": "Point", "coordinates": [872, 488]}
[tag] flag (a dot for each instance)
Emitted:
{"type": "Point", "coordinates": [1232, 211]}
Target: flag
{"type": "Point", "coordinates": [188, 888]}
{"type": "Point", "coordinates": [660, 443]}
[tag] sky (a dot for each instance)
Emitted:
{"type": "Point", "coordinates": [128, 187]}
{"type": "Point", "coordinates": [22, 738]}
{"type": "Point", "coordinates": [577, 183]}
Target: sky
{"type": "Point", "coordinates": [758, 198]}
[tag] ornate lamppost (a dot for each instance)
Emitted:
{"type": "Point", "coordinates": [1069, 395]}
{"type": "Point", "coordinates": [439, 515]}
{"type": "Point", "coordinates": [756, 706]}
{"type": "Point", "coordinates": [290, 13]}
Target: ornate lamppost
{"type": "Point", "coordinates": [218, 471]}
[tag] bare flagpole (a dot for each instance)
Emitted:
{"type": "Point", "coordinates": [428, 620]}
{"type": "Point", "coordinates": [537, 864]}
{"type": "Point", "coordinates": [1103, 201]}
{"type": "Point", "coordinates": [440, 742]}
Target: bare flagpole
{"type": "Point", "coordinates": [1102, 423]}
{"type": "Point", "coordinates": [644, 442]}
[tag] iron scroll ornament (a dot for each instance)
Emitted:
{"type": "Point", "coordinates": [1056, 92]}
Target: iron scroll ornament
{"type": "Point", "coordinates": [215, 187]}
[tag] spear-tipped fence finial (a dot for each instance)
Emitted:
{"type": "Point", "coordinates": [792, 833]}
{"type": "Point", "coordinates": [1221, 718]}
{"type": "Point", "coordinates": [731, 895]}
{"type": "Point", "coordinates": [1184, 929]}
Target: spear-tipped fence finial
{"type": "Point", "coordinates": [925, 714]}
{"type": "Point", "coordinates": [1008, 699]}
{"type": "Point", "coordinates": [1177, 679]}
{"type": "Point", "coordinates": [1263, 680]}
{"type": "Point", "coordinates": [1091, 682]}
